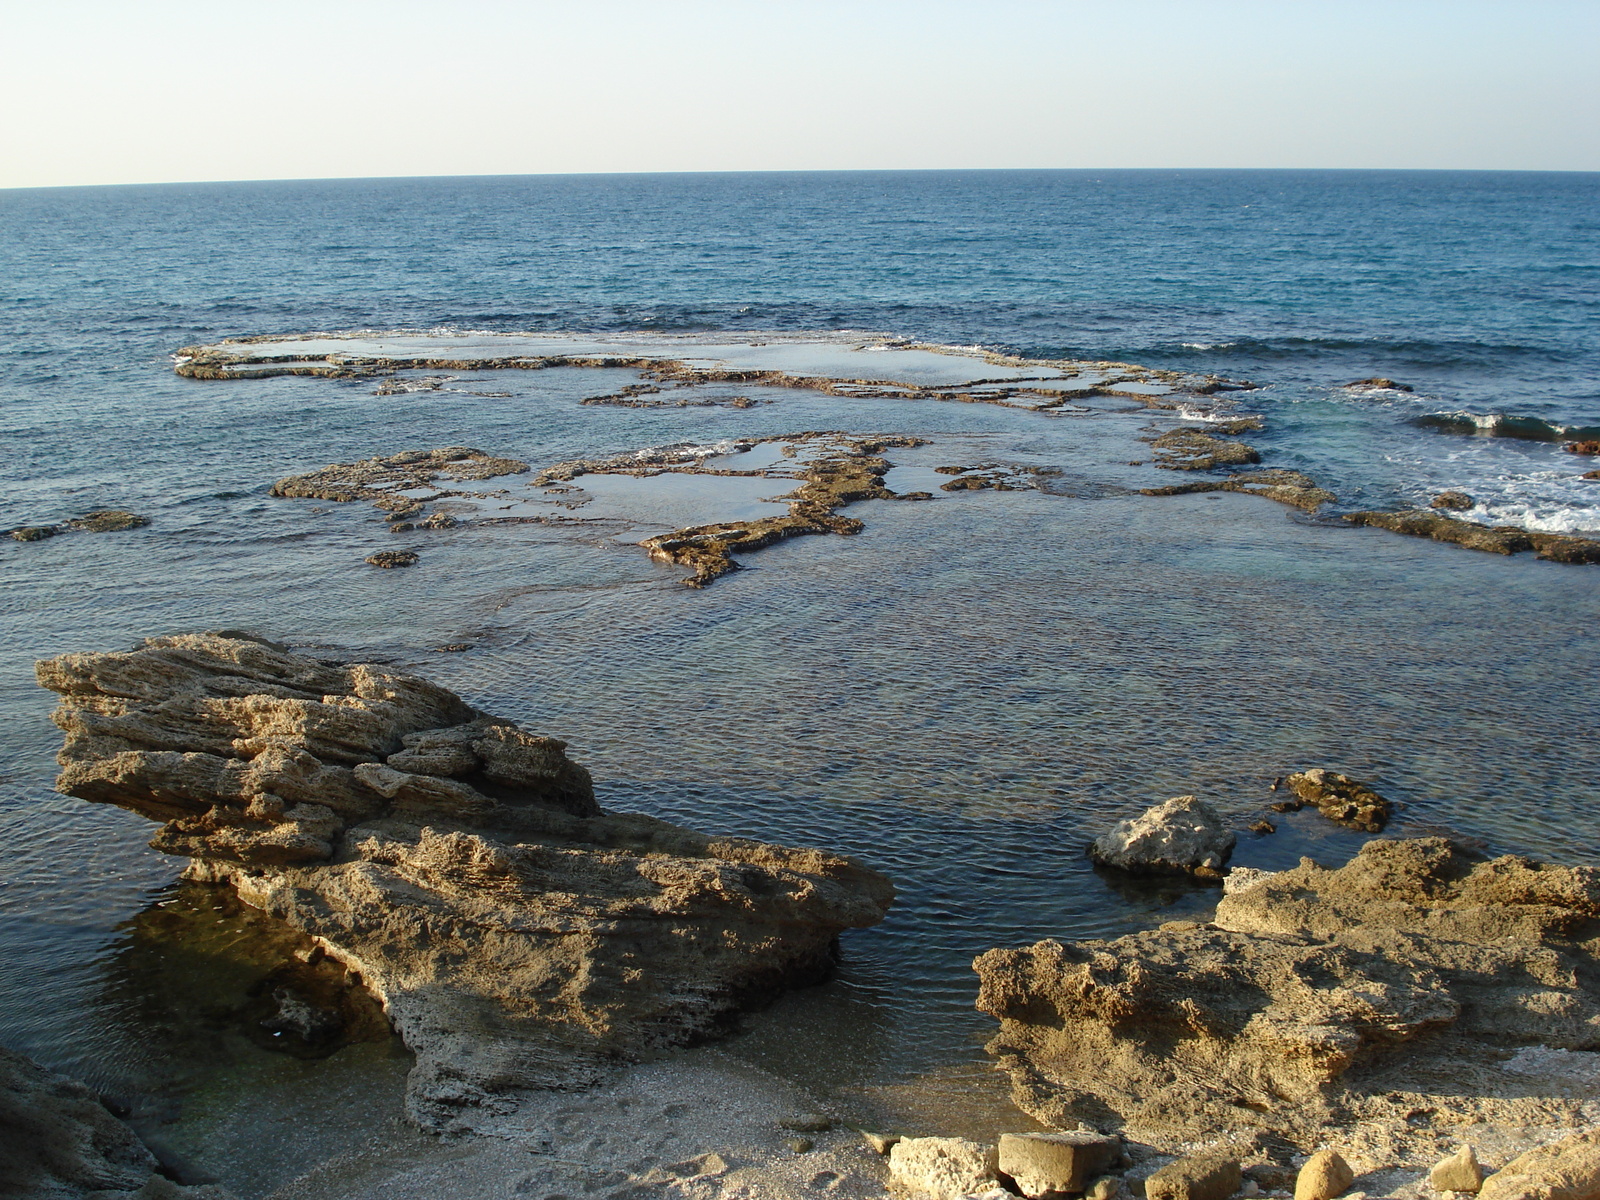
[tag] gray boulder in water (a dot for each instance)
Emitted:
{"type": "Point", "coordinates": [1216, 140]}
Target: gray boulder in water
{"type": "Point", "coordinates": [1184, 836]}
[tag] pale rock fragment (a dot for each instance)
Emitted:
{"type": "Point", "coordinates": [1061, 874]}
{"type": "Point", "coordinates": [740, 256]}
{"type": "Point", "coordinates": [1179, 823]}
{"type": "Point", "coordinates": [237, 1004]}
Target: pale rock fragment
{"type": "Point", "coordinates": [943, 1168]}
{"type": "Point", "coordinates": [1461, 1172]}
{"type": "Point", "coordinates": [1565, 1170]}
{"type": "Point", "coordinates": [1053, 1164]}
{"type": "Point", "coordinates": [1184, 836]}
{"type": "Point", "coordinates": [1325, 1175]}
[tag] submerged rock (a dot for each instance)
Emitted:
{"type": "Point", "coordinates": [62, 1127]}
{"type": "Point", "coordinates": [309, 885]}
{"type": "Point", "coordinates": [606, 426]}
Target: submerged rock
{"type": "Point", "coordinates": [58, 1140]}
{"type": "Point", "coordinates": [1384, 993]}
{"type": "Point", "coordinates": [1184, 836]}
{"type": "Point", "coordinates": [101, 520]}
{"type": "Point", "coordinates": [1341, 799]}
{"type": "Point", "coordinates": [516, 935]}
{"type": "Point", "coordinates": [1379, 381]}
{"type": "Point", "coordinates": [1186, 449]}
{"type": "Point", "coordinates": [1286, 487]}
{"type": "Point", "coordinates": [389, 559]}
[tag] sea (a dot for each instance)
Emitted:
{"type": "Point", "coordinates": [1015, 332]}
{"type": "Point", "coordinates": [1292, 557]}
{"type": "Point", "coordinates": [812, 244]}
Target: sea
{"type": "Point", "coordinates": [963, 695]}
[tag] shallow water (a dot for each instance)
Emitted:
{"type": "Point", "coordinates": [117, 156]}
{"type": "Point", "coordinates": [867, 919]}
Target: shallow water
{"type": "Point", "coordinates": [962, 694]}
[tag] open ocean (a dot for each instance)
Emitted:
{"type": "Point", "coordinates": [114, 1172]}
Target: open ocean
{"type": "Point", "coordinates": [963, 695]}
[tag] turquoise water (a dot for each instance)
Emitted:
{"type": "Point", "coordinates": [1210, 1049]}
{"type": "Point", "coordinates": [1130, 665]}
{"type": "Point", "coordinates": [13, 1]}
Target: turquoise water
{"type": "Point", "coordinates": [963, 694]}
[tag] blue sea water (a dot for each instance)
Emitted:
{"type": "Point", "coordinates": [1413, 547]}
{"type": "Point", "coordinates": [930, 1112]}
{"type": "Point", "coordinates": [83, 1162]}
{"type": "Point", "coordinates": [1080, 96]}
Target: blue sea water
{"type": "Point", "coordinates": [964, 693]}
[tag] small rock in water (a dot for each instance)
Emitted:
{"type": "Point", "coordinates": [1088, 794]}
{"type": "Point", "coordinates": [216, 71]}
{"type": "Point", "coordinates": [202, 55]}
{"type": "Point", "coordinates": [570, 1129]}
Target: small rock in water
{"type": "Point", "coordinates": [946, 1168]}
{"type": "Point", "coordinates": [1263, 827]}
{"type": "Point", "coordinates": [1379, 381]}
{"type": "Point", "coordinates": [1325, 1175]}
{"type": "Point", "coordinates": [1052, 1164]}
{"type": "Point", "coordinates": [1461, 1172]}
{"type": "Point", "coordinates": [1201, 1177]}
{"type": "Point", "coordinates": [108, 520]}
{"type": "Point", "coordinates": [808, 1122]}
{"type": "Point", "coordinates": [1184, 836]}
{"type": "Point", "coordinates": [1582, 447]}
{"type": "Point", "coordinates": [1456, 501]}
{"type": "Point", "coordinates": [1342, 799]}
{"type": "Point", "coordinates": [35, 533]}
{"type": "Point", "coordinates": [881, 1143]}
{"type": "Point", "coordinates": [393, 558]}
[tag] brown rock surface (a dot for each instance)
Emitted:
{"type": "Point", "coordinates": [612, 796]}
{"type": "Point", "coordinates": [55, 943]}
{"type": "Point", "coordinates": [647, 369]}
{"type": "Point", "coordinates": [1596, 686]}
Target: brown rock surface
{"type": "Point", "coordinates": [1567, 1170]}
{"type": "Point", "coordinates": [58, 1141]}
{"type": "Point", "coordinates": [516, 936]}
{"type": "Point", "coordinates": [1057, 1164]}
{"type": "Point", "coordinates": [1198, 1177]}
{"type": "Point", "coordinates": [1497, 539]}
{"type": "Point", "coordinates": [1325, 1175]}
{"type": "Point", "coordinates": [1286, 487]}
{"type": "Point", "coordinates": [1384, 994]}
{"type": "Point", "coordinates": [1461, 1172]}
{"type": "Point", "coordinates": [1341, 799]}
{"type": "Point", "coordinates": [1186, 449]}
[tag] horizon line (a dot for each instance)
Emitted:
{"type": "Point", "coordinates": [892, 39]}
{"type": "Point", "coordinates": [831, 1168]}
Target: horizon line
{"type": "Point", "coordinates": [288, 179]}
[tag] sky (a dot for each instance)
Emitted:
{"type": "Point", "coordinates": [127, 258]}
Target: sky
{"type": "Point", "coordinates": [108, 91]}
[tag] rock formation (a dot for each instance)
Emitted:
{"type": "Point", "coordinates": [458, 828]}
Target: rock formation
{"type": "Point", "coordinates": [1275, 483]}
{"type": "Point", "coordinates": [101, 520]}
{"type": "Point", "coordinates": [1341, 799]}
{"type": "Point", "coordinates": [1385, 994]}
{"type": "Point", "coordinates": [1494, 539]}
{"type": "Point", "coordinates": [516, 935]}
{"type": "Point", "coordinates": [1184, 836]}
{"type": "Point", "coordinates": [58, 1140]}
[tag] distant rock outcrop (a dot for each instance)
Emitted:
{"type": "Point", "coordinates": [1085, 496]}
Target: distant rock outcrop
{"type": "Point", "coordinates": [1384, 994]}
{"type": "Point", "coordinates": [517, 936]}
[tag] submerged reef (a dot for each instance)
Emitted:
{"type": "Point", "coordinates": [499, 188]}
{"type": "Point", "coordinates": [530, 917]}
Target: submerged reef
{"type": "Point", "coordinates": [383, 481]}
{"type": "Point", "coordinates": [454, 864]}
{"type": "Point", "coordinates": [1414, 990]}
{"type": "Point", "coordinates": [101, 520]}
{"type": "Point", "coordinates": [1494, 539]}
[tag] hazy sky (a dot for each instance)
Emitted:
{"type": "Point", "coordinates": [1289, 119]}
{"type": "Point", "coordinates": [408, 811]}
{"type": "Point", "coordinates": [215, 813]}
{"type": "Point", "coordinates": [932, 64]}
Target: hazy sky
{"type": "Point", "coordinates": [112, 91]}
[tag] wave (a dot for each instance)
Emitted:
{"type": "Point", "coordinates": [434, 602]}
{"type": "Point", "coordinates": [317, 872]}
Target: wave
{"type": "Point", "coordinates": [1532, 429]}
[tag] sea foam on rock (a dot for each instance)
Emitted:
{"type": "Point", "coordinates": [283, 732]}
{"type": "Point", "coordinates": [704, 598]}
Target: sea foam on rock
{"type": "Point", "coordinates": [1384, 994]}
{"type": "Point", "coordinates": [517, 936]}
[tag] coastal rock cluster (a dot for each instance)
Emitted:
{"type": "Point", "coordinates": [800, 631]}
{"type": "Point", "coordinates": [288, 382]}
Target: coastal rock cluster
{"type": "Point", "coordinates": [1386, 994]}
{"type": "Point", "coordinates": [101, 520]}
{"type": "Point", "coordinates": [457, 865]}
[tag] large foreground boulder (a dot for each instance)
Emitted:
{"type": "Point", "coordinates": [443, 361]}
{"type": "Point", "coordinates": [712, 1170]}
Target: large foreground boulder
{"type": "Point", "coordinates": [1388, 993]}
{"type": "Point", "coordinates": [57, 1140]}
{"type": "Point", "coordinates": [517, 936]}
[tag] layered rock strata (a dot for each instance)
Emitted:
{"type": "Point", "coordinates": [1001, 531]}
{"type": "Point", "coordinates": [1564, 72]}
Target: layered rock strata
{"type": "Point", "coordinates": [517, 936]}
{"type": "Point", "coordinates": [1384, 996]}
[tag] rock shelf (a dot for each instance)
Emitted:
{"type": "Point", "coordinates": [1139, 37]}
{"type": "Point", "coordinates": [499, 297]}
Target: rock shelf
{"type": "Point", "coordinates": [1393, 999]}
{"type": "Point", "coordinates": [458, 866]}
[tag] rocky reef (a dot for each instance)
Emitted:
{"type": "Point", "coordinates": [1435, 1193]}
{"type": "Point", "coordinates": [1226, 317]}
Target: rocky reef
{"type": "Point", "coordinates": [58, 1140]}
{"type": "Point", "coordinates": [1495, 539]}
{"type": "Point", "coordinates": [101, 520]}
{"type": "Point", "coordinates": [456, 865]}
{"type": "Point", "coordinates": [1275, 483]}
{"type": "Point", "coordinates": [1411, 991]}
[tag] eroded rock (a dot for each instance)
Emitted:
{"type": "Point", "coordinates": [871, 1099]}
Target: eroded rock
{"type": "Point", "coordinates": [1186, 449]}
{"type": "Point", "coordinates": [1056, 1164]}
{"type": "Point", "coordinates": [943, 1168]}
{"type": "Point", "coordinates": [1384, 993]}
{"type": "Point", "coordinates": [516, 935]}
{"type": "Point", "coordinates": [1325, 1175]}
{"type": "Point", "coordinates": [1496, 539]}
{"type": "Point", "coordinates": [58, 1140]}
{"type": "Point", "coordinates": [1454, 501]}
{"type": "Point", "coordinates": [1567, 1170]}
{"type": "Point", "coordinates": [1195, 1177]}
{"type": "Point", "coordinates": [1183, 836]}
{"type": "Point", "coordinates": [1461, 1172]}
{"type": "Point", "coordinates": [1341, 799]}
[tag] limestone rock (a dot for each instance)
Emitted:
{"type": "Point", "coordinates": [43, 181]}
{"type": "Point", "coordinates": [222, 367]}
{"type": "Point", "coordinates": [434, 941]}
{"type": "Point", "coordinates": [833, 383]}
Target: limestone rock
{"type": "Point", "coordinates": [881, 1143]}
{"type": "Point", "coordinates": [389, 559]}
{"type": "Point", "coordinates": [516, 935]}
{"type": "Point", "coordinates": [1461, 1172]}
{"type": "Point", "coordinates": [1340, 798]}
{"type": "Point", "coordinates": [1055, 1164]}
{"type": "Point", "coordinates": [1198, 1177]}
{"type": "Point", "coordinates": [1496, 539]}
{"type": "Point", "coordinates": [1456, 501]}
{"type": "Point", "coordinates": [1567, 1170]}
{"type": "Point", "coordinates": [1315, 992]}
{"type": "Point", "coordinates": [1107, 1187]}
{"type": "Point", "coordinates": [1184, 836]}
{"type": "Point", "coordinates": [58, 1140]}
{"type": "Point", "coordinates": [943, 1168]}
{"type": "Point", "coordinates": [1325, 1175]}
